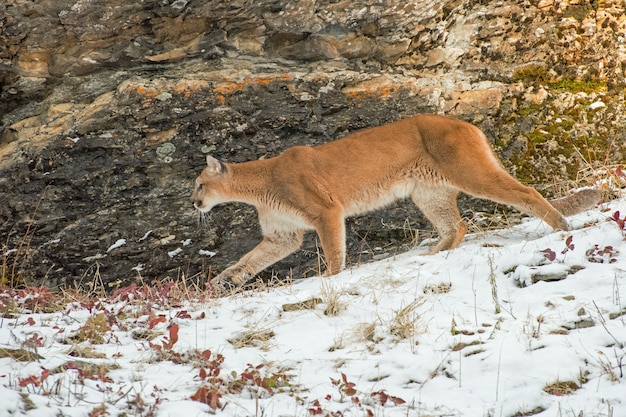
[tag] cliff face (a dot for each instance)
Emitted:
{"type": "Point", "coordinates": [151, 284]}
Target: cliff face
{"type": "Point", "coordinates": [108, 109]}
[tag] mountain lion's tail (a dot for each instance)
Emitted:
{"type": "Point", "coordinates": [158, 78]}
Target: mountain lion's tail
{"type": "Point", "coordinates": [577, 202]}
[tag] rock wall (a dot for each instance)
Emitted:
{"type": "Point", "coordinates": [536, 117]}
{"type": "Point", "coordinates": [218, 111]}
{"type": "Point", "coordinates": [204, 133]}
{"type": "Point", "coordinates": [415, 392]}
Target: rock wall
{"type": "Point", "coordinates": [108, 107]}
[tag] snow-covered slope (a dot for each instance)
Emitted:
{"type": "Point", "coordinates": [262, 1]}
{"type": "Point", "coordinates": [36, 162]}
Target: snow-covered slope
{"type": "Point", "coordinates": [514, 322]}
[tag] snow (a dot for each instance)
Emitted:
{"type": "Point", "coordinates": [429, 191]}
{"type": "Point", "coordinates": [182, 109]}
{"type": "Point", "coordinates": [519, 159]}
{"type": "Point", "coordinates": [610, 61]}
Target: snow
{"type": "Point", "coordinates": [144, 237]}
{"type": "Point", "coordinates": [118, 244]}
{"type": "Point", "coordinates": [468, 332]}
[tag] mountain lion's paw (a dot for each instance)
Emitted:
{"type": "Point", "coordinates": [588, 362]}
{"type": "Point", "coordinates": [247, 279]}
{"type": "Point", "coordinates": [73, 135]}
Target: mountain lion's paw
{"type": "Point", "coordinates": [229, 281]}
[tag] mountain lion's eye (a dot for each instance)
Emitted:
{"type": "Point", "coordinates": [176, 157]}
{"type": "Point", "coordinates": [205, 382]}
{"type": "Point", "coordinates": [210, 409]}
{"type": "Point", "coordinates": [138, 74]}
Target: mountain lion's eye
{"type": "Point", "coordinates": [200, 187]}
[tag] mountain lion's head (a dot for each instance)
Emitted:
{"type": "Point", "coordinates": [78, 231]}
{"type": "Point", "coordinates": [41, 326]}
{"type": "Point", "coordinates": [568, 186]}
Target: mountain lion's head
{"type": "Point", "coordinates": [210, 186]}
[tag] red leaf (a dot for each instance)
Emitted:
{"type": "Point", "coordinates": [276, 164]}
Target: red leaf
{"type": "Point", "coordinates": [208, 397]}
{"type": "Point", "coordinates": [173, 328]}
{"type": "Point", "coordinates": [620, 222]}
{"type": "Point", "coordinates": [568, 245]}
{"type": "Point", "coordinates": [31, 321]}
{"type": "Point", "coordinates": [35, 340]}
{"type": "Point", "coordinates": [99, 411]}
{"type": "Point", "coordinates": [349, 391]}
{"type": "Point", "coordinates": [384, 397]}
{"type": "Point", "coordinates": [183, 314]}
{"type": "Point", "coordinates": [33, 379]}
{"type": "Point", "coordinates": [549, 254]}
{"type": "Point", "coordinates": [397, 400]}
{"type": "Point", "coordinates": [157, 320]}
{"type": "Point", "coordinates": [200, 395]}
{"type": "Point", "coordinates": [316, 409]}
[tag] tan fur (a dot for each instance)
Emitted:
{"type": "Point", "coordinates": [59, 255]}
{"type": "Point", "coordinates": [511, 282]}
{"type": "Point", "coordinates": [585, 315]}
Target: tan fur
{"type": "Point", "coordinates": [428, 158]}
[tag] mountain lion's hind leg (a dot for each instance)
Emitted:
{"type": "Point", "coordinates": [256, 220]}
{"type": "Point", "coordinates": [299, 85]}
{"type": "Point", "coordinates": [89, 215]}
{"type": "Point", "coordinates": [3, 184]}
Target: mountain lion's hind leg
{"type": "Point", "coordinates": [272, 248]}
{"type": "Point", "coordinates": [440, 208]}
{"type": "Point", "coordinates": [480, 174]}
{"type": "Point", "coordinates": [498, 185]}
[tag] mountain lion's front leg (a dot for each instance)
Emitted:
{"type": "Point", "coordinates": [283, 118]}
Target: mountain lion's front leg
{"type": "Point", "coordinates": [272, 248]}
{"type": "Point", "coordinates": [331, 230]}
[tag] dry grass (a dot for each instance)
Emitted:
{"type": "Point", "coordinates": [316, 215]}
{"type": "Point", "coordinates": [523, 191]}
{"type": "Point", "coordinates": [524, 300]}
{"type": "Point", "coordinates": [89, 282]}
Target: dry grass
{"type": "Point", "coordinates": [560, 388]}
{"type": "Point", "coordinates": [614, 372]}
{"type": "Point", "coordinates": [89, 368]}
{"type": "Point", "coordinates": [332, 297]}
{"type": "Point", "coordinates": [87, 352]}
{"type": "Point", "coordinates": [528, 413]}
{"type": "Point", "coordinates": [309, 304]}
{"type": "Point", "coordinates": [366, 332]}
{"type": "Point", "coordinates": [20, 355]}
{"type": "Point", "coordinates": [481, 222]}
{"type": "Point", "coordinates": [404, 323]}
{"type": "Point", "coordinates": [253, 338]}
{"type": "Point", "coordinates": [94, 330]}
{"type": "Point", "coordinates": [462, 345]}
{"type": "Point", "coordinates": [13, 259]}
{"type": "Point", "coordinates": [609, 179]}
{"type": "Point", "coordinates": [494, 287]}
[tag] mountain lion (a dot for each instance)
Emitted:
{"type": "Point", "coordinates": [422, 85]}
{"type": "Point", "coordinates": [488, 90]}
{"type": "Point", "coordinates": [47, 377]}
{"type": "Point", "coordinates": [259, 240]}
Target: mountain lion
{"type": "Point", "coordinates": [429, 158]}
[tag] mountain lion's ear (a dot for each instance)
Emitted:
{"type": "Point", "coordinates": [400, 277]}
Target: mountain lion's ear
{"type": "Point", "coordinates": [214, 165]}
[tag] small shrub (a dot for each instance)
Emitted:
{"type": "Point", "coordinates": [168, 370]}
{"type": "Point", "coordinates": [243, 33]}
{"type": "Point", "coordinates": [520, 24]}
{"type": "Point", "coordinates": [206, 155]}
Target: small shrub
{"type": "Point", "coordinates": [602, 255]}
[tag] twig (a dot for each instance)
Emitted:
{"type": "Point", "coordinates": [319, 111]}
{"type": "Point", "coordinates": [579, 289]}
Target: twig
{"type": "Point", "coordinates": [494, 287]}
{"type": "Point", "coordinates": [602, 322]}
